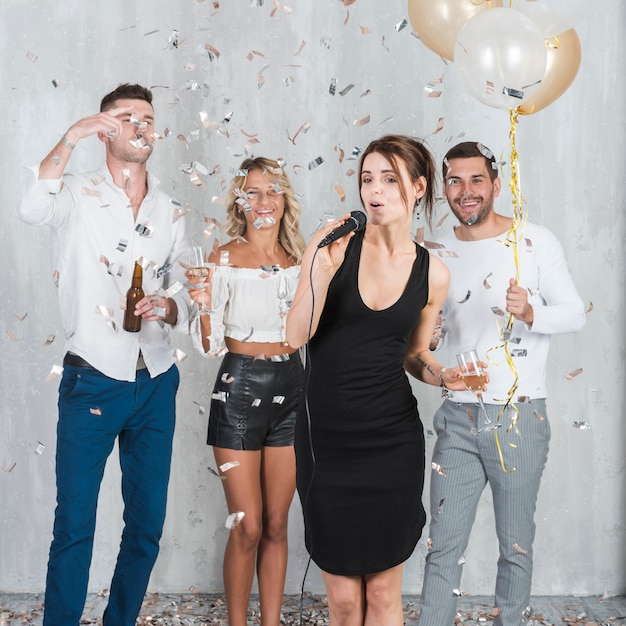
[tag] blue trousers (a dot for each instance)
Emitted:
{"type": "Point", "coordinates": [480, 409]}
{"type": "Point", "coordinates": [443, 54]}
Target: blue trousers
{"type": "Point", "coordinates": [467, 462]}
{"type": "Point", "coordinates": [94, 411]}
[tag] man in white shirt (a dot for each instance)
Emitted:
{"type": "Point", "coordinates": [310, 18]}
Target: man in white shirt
{"type": "Point", "coordinates": [116, 384]}
{"type": "Point", "coordinates": [483, 293]}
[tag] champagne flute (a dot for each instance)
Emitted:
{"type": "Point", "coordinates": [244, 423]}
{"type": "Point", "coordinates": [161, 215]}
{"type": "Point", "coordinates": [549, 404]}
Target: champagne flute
{"type": "Point", "coordinates": [199, 269]}
{"type": "Point", "coordinates": [474, 378]}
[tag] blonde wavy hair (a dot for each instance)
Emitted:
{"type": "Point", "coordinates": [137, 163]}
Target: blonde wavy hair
{"type": "Point", "coordinates": [289, 234]}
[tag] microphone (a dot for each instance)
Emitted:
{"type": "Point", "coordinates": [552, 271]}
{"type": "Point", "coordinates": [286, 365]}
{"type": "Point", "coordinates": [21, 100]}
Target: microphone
{"type": "Point", "coordinates": [356, 222]}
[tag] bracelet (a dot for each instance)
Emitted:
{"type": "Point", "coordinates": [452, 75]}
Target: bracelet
{"type": "Point", "coordinates": [445, 392]}
{"type": "Point", "coordinates": [66, 142]}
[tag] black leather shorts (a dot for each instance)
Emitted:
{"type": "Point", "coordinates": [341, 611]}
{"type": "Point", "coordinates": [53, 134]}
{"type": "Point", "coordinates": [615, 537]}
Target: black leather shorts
{"type": "Point", "coordinates": [254, 402]}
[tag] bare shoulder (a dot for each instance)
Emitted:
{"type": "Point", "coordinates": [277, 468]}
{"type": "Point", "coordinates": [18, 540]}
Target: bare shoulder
{"type": "Point", "coordinates": [231, 253]}
{"type": "Point", "coordinates": [438, 273]}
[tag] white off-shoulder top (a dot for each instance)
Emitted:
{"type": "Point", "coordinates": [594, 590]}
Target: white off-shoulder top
{"type": "Point", "coordinates": [248, 305]}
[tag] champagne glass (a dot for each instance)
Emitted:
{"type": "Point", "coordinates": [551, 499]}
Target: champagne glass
{"type": "Point", "coordinates": [199, 269]}
{"type": "Point", "coordinates": [474, 378]}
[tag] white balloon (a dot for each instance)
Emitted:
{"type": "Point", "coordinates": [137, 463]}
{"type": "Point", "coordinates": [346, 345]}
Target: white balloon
{"type": "Point", "coordinates": [501, 55]}
{"type": "Point", "coordinates": [553, 16]}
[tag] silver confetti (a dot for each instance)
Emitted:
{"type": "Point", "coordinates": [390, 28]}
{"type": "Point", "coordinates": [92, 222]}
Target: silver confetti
{"type": "Point", "coordinates": [55, 372]}
{"type": "Point", "coordinates": [144, 229]}
{"type": "Point", "coordinates": [513, 93]}
{"type": "Point", "coordinates": [488, 154]}
{"type": "Point", "coordinates": [402, 25]}
{"type": "Point", "coordinates": [346, 90]}
{"type": "Point", "coordinates": [316, 162]}
{"type": "Point", "coordinates": [172, 42]}
{"type": "Point", "coordinates": [234, 519]}
{"type": "Point", "coordinates": [224, 467]}
{"type": "Point", "coordinates": [141, 126]}
{"type": "Point", "coordinates": [164, 269]}
{"type": "Point", "coordinates": [437, 468]}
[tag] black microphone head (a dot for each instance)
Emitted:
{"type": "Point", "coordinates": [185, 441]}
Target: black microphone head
{"type": "Point", "coordinates": [360, 218]}
{"type": "Point", "coordinates": [355, 222]}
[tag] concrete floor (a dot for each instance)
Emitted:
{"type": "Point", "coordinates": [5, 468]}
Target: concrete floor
{"type": "Point", "coordinates": [202, 609]}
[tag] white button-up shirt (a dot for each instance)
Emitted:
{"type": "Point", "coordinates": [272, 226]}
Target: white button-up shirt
{"type": "Point", "coordinates": [95, 246]}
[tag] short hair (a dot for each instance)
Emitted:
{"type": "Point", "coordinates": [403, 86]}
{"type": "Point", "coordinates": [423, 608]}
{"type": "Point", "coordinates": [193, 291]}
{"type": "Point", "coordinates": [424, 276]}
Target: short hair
{"type": "Point", "coordinates": [125, 91]}
{"type": "Point", "coordinates": [417, 159]}
{"type": "Point", "coordinates": [289, 234]}
{"type": "Point", "coordinates": [469, 150]}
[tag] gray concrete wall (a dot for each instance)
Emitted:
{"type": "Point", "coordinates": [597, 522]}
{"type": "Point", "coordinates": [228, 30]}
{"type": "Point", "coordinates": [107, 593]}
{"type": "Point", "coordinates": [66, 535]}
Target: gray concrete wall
{"type": "Point", "coordinates": [272, 75]}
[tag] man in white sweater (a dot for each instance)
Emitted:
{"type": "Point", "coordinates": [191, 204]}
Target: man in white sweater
{"type": "Point", "coordinates": [483, 294]}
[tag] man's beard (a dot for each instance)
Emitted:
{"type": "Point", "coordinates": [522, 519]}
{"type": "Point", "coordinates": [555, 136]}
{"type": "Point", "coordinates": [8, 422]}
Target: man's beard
{"type": "Point", "coordinates": [479, 215]}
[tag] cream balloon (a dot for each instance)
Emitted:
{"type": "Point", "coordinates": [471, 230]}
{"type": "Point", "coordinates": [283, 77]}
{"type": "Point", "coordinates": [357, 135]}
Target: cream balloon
{"type": "Point", "coordinates": [438, 22]}
{"type": "Point", "coordinates": [553, 16]}
{"type": "Point", "coordinates": [564, 54]}
{"type": "Point", "coordinates": [501, 56]}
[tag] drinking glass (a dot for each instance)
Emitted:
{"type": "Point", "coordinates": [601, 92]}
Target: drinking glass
{"type": "Point", "coordinates": [474, 378]}
{"type": "Point", "coordinates": [199, 269]}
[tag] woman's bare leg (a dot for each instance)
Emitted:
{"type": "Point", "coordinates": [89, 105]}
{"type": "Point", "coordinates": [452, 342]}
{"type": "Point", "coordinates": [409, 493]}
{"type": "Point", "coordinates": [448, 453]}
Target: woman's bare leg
{"type": "Point", "coordinates": [278, 484]}
{"type": "Point", "coordinates": [346, 600]}
{"type": "Point", "coordinates": [383, 598]}
{"type": "Point", "coordinates": [242, 487]}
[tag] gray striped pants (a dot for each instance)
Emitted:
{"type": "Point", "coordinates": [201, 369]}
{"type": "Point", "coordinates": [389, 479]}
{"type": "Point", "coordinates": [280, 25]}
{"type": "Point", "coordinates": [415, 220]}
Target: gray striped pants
{"type": "Point", "coordinates": [465, 462]}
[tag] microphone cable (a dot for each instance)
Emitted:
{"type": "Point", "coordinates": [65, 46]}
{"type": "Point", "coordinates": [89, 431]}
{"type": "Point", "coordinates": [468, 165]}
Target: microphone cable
{"type": "Point", "coordinates": [305, 391]}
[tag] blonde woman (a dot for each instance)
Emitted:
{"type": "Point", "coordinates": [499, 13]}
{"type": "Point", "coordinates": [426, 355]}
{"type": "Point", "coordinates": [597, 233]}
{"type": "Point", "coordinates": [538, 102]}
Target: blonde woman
{"type": "Point", "coordinates": [254, 402]}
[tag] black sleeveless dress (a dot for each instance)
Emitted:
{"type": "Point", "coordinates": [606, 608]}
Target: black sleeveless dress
{"type": "Point", "coordinates": [359, 440]}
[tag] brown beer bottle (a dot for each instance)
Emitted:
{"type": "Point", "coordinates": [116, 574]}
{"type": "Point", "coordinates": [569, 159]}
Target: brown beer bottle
{"type": "Point", "coordinates": [132, 322]}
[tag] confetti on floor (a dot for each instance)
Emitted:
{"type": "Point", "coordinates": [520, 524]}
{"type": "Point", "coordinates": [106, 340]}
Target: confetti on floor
{"type": "Point", "coordinates": [197, 609]}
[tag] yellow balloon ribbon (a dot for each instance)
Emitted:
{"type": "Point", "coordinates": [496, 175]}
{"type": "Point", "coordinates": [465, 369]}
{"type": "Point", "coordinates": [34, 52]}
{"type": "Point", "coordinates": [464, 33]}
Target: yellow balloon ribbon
{"type": "Point", "coordinates": [516, 232]}
{"type": "Point", "coordinates": [512, 239]}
